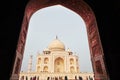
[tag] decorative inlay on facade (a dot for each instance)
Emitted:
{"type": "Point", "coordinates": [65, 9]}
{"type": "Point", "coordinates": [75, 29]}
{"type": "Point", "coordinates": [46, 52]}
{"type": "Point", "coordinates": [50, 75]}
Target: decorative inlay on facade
{"type": "Point", "coordinates": [99, 67]}
{"type": "Point", "coordinates": [92, 30]}
{"type": "Point", "coordinates": [17, 67]}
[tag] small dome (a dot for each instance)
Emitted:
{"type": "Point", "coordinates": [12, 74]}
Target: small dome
{"type": "Point", "coordinates": [68, 50]}
{"type": "Point", "coordinates": [46, 49]}
{"type": "Point", "coordinates": [56, 45]}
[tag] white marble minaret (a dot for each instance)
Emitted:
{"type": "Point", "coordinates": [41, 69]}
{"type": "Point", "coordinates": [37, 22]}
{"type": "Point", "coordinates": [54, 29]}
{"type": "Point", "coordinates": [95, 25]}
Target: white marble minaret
{"type": "Point", "coordinates": [30, 64]}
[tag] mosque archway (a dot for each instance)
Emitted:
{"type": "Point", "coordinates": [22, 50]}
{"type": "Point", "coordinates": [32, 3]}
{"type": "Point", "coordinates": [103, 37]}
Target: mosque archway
{"type": "Point", "coordinates": [45, 69]}
{"type": "Point", "coordinates": [39, 60]}
{"type": "Point", "coordinates": [71, 61]}
{"type": "Point", "coordinates": [59, 65]}
{"type": "Point", "coordinates": [46, 60]}
{"type": "Point", "coordinates": [81, 8]}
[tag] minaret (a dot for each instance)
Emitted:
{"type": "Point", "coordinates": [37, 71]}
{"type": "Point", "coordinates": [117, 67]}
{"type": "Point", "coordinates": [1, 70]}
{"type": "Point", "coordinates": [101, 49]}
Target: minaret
{"type": "Point", "coordinates": [30, 64]}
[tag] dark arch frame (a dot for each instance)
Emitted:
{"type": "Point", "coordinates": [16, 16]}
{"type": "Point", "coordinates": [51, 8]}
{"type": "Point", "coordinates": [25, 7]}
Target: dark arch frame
{"type": "Point", "coordinates": [82, 9]}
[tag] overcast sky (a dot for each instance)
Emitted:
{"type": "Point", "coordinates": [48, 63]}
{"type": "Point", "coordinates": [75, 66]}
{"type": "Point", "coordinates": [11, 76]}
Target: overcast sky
{"type": "Point", "coordinates": [46, 24]}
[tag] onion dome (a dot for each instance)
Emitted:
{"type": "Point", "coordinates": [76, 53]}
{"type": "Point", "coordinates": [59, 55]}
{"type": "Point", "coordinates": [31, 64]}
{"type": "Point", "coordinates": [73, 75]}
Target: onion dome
{"type": "Point", "coordinates": [56, 45]}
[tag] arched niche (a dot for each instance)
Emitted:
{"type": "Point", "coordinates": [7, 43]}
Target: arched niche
{"type": "Point", "coordinates": [45, 69]}
{"type": "Point", "coordinates": [59, 65]}
{"type": "Point", "coordinates": [82, 9]}
{"type": "Point", "coordinates": [39, 60]}
{"type": "Point", "coordinates": [71, 61]}
{"type": "Point", "coordinates": [46, 60]}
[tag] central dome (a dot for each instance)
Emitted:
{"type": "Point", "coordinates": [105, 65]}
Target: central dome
{"type": "Point", "coordinates": [56, 45]}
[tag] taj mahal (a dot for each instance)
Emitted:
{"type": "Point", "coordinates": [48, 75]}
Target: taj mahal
{"type": "Point", "coordinates": [55, 63]}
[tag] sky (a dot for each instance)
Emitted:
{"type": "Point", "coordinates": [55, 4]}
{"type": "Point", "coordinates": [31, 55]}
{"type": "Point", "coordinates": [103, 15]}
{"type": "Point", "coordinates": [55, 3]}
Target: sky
{"type": "Point", "coordinates": [47, 23]}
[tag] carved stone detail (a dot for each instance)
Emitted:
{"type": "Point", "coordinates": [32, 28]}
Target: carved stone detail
{"type": "Point", "coordinates": [17, 67]}
{"type": "Point", "coordinates": [98, 67]}
{"type": "Point", "coordinates": [22, 38]}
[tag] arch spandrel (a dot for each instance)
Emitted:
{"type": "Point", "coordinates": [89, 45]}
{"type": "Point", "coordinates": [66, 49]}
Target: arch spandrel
{"type": "Point", "coordinates": [78, 6]}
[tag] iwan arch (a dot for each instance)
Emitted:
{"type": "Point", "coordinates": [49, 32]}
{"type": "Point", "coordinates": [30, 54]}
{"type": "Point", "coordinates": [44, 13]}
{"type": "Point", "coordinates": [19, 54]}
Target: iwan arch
{"type": "Point", "coordinates": [82, 9]}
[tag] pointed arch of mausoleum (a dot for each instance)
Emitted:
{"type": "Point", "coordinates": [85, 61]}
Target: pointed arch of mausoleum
{"type": "Point", "coordinates": [45, 69]}
{"type": "Point", "coordinates": [72, 61]}
{"type": "Point", "coordinates": [46, 60]}
{"type": "Point", "coordinates": [83, 10]}
{"type": "Point", "coordinates": [59, 65]}
{"type": "Point", "coordinates": [39, 60]}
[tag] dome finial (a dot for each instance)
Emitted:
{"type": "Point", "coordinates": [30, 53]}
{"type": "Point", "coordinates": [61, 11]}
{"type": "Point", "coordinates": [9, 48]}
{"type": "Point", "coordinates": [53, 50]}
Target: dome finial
{"type": "Point", "coordinates": [56, 37]}
{"type": "Point", "coordinates": [56, 45]}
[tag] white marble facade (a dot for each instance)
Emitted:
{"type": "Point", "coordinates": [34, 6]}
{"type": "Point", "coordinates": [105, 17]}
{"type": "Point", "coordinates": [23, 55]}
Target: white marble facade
{"type": "Point", "coordinates": [55, 63]}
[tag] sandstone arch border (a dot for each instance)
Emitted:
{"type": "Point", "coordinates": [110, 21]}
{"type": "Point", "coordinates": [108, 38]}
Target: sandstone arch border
{"type": "Point", "coordinates": [82, 9]}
